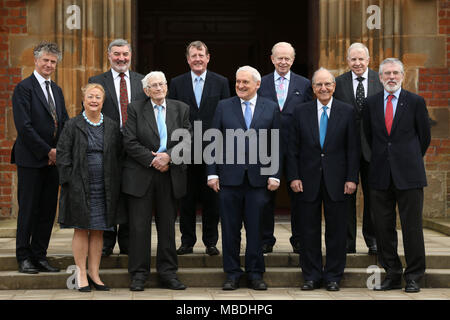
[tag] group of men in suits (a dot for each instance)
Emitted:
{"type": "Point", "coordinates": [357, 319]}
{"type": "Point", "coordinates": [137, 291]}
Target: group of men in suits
{"type": "Point", "coordinates": [359, 123]}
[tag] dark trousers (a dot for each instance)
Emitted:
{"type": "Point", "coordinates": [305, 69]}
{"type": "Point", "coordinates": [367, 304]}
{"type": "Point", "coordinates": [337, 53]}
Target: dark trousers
{"type": "Point", "coordinates": [199, 192]}
{"type": "Point", "coordinates": [121, 233]}
{"type": "Point", "coordinates": [37, 192]}
{"type": "Point", "coordinates": [410, 205]}
{"type": "Point", "coordinates": [242, 204]}
{"type": "Point", "coordinates": [159, 197]}
{"type": "Point", "coordinates": [310, 220]}
{"type": "Point", "coordinates": [368, 229]}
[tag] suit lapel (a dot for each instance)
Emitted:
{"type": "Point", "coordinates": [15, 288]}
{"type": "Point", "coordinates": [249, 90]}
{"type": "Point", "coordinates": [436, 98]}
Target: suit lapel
{"type": "Point", "coordinates": [38, 89]}
{"type": "Point", "coordinates": [135, 86]}
{"type": "Point", "coordinates": [273, 91]}
{"type": "Point", "coordinates": [349, 87]}
{"type": "Point", "coordinates": [372, 83]}
{"type": "Point", "coordinates": [313, 122]}
{"type": "Point", "coordinates": [171, 116]}
{"type": "Point", "coordinates": [149, 115]}
{"type": "Point", "coordinates": [237, 110]}
{"type": "Point", "coordinates": [259, 109]}
{"type": "Point", "coordinates": [206, 89]}
{"type": "Point", "coordinates": [379, 111]}
{"type": "Point", "coordinates": [335, 115]}
{"type": "Point", "coordinates": [401, 106]}
{"type": "Point", "coordinates": [189, 89]}
{"type": "Point", "coordinates": [109, 83]}
{"type": "Point", "coordinates": [291, 86]}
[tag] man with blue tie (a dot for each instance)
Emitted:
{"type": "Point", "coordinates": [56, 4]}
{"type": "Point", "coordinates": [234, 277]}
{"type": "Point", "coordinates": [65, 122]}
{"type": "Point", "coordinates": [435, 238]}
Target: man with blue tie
{"type": "Point", "coordinates": [242, 185]}
{"type": "Point", "coordinates": [323, 163]}
{"type": "Point", "coordinates": [288, 90]}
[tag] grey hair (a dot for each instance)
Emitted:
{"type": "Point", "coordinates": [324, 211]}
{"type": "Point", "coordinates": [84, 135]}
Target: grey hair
{"type": "Point", "coordinates": [47, 47]}
{"type": "Point", "coordinates": [152, 74]}
{"type": "Point", "coordinates": [118, 43]}
{"type": "Point", "coordinates": [255, 74]}
{"type": "Point", "coordinates": [393, 61]}
{"type": "Point", "coordinates": [322, 69]}
{"type": "Point", "coordinates": [287, 44]}
{"type": "Point", "coordinates": [359, 46]}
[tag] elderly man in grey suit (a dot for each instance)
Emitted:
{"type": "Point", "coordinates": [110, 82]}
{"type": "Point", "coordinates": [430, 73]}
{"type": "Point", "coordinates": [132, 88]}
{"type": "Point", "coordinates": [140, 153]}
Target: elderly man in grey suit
{"type": "Point", "coordinates": [122, 86]}
{"type": "Point", "coordinates": [353, 87]}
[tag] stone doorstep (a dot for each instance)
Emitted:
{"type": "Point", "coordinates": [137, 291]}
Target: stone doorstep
{"type": "Point", "coordinates": [205, 277]}
{"type": "Point", "coordinates": [439, 225]}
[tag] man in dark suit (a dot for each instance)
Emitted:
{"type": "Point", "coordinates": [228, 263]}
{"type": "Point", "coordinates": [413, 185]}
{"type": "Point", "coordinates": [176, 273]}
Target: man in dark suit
{"type": "Point", "coordinates": [39, 115]}
{"type": "Point", "coordinates": [323, 160]}
{"type": "Point", "coordinates": [353, 87]}
{"type": "Point", "coordinates": [151, 179]}
{"type": "Point", "coordinates": [242, 184]}
{"type": "Point", "coordinates": [122, 86]}
{"type": "Point", "coordinates": [201, 89]}
{"type": "Point", "coordinates": [397, 128]}
{"type": "Point", "coordinates": [288, 90]}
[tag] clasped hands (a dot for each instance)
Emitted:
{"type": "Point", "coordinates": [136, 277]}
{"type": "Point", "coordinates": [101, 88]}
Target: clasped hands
{"type": "Point", "coordinates": [297, 186]}
{"type": "Point", "coordinates": [272, 184]}
{"type": "Point", "coordinates": [52, 157]}
{"type": "Point", "coordinates": [160, 161]}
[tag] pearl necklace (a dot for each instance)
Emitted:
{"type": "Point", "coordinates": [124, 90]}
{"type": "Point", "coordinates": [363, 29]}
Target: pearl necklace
{"type": "Point", "coordinates": [92, 123]}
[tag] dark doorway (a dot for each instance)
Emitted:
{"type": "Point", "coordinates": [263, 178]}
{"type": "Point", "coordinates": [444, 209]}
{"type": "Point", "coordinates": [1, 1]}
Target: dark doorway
{"type": "Point", "coordinates": [237, 33]}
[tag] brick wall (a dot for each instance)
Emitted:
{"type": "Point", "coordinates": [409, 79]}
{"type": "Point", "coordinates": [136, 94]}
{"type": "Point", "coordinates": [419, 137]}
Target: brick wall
{"type": "Point", "coordinates": [13, 20]}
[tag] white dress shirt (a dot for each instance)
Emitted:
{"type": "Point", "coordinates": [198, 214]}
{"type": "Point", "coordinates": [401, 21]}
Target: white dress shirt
{"type": "Point", "coordinates": [365, 82]}
{"type": "Point", "coordinates": [41, 81]}
{"type": "Point", "coordinates": [320, 109]}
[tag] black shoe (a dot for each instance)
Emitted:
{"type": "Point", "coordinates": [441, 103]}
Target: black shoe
{"type": "Point", "coordinates": [311, 285]}
{"type": "Point", "coordinates": [388, 284]}
{"type": "Point", "coordinates": [296, 248]}
{"type": "Point", "coordinates": [44, 266]}
{"type": "Point", "coordinates": [267, 248]}
{"type": "Point", "coordinates": [212, 251]}
{"type": "Point", "coordinates": [26, 266]}
{"type": "Point", "coordinates": [85, 289]}
{"type": "Point", "coordinates": [106, 251]}
{"type": "Point", "coordinates": [230, 284]}
{"type": "Point", "coordinates": [173, 284]}
{"type": "Point", "coordinates": [137, 284]}
{"type": "Point", "coordinates": [257, 284]}
{"type": "Point", "coordinates": [98, 287]}
{"type": "Point", "coordinates": [412, 286]}
{"type": "Point", "coordinates": [184, 250]}
{"type": "Point", "coordinates": [373, 250]}
{"type": "Point", "coordinates": [332, 286]}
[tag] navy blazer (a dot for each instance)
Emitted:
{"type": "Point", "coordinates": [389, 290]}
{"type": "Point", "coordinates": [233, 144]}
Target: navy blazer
{"type": "Point", "coordinates": [400, 154]}
{"type": "Point", "coordinates": [229, 116]}
{"type": "Point", "coordinates": [34, 123]}
{"type": "Point", "coordinates": [338, 161]}
{"type": "Point", "coordinates": [299, 91]}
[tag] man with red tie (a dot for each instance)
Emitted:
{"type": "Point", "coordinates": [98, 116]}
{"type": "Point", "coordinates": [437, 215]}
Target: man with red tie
{"type": "Point", "coordinates": [397, 128]}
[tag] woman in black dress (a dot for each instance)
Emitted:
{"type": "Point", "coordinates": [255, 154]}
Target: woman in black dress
{"type": "Point", "coordinates": [88, 159]}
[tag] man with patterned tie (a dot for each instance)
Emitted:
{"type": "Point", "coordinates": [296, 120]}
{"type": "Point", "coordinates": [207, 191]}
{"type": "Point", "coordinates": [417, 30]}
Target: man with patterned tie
{"type": "Point", "coordinates": [397, 128]}
{"type": "Point", "coordinates": [39, 115]}
{"type": "Point", "coordinates": [242, 187]}
{"type": "Point", "coordinates": [353, 87]}
{"type": "Point", "coordinates": [201, 89]}
{"type": "Point", "coordinates": [288, 89]}
{"type": "Point", "coordinates": [322, 168]}
{"type": "Point", "coordinates": [122, 86]}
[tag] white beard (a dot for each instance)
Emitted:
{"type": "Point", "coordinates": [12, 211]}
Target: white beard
{"type": "Point", "coordinates": [390, 88]}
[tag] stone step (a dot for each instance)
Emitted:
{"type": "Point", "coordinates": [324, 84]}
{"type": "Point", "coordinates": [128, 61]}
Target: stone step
{"type": "Point", "coordinates": [205, 277]}
{"type": "Point", "coordinates": [288, 260]}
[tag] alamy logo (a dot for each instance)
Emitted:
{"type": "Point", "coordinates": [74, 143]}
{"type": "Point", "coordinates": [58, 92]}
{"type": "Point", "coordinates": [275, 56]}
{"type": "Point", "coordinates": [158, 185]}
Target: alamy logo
{"type": "Point", "coordinates": [374, 279]}
{"type": "Point", "coordinates": [72, 281]}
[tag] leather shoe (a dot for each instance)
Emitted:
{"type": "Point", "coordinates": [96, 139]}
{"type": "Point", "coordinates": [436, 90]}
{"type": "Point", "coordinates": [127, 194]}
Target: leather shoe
{"type": "Point", "coordinates": [85, 289]}
{"type": "Point", "coordinates": [412, 286]}
{"type": "Point", "coordinates": [184, 250]}
{"type": "Point", "coordinates": [388, 284]}
{"type": "Point", "coordinates": [26, 266]}
{"type": "Point", "coordinates": [44, 266]}
{"type": "Point", "coordinates": [311, 285]}
{"type": "Point", "coordinates": [106, 251]}
{"type": "Point", "coordinates": [267, 248]}
{"type": "Point", "coordinates": [137, 284]}
{"type": "Point", "coordinates": [257, 284]}
{"type": "Point", "coordinates": [230, 284]}
{"type": "Point", "coordinates": [373, 250]}
{"type": "Point", "coordinates": [212, 251]}
{"type": "Point", "coordinates": [332, 286]}
{"type": "Point", "coordinates": [173, 284]}
{"type": "Point", "coordinates": [296, 248]}
{"type": "Point", "coordinates": [98, 287]}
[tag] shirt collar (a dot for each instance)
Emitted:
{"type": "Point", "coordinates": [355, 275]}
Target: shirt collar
{"type": "Point", "coordinates": [364, 75]}
{"type": "Point", "coordinates": [163, 104]}
{"type": "Point", "coordinates": [252, 100]}
{"type": "Point", "coordinates": [115, 74]}
{"type": "Point", "coordinates": [320, 105]}
{"type": "Point", "coordinates": [396, 93]}
{"type": "Point", "coordinates": [287, 76]}
{"type": "Point", "coordinates": [194, 76]}
{"type": "Point", "coordinates": [40, 78]}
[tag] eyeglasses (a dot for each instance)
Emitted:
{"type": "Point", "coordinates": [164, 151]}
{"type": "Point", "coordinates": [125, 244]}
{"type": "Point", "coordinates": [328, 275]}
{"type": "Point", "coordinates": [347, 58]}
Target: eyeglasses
{"type": "Point", "coordinates": [326, 84]}
{"type": "Point", "coordinates": [388, 73]}
{"type": "Point", "coordinates": [157, 85]}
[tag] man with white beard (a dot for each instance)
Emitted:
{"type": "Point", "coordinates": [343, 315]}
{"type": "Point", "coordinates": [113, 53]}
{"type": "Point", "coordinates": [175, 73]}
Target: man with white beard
{"type": "Point", "coordinates": [398, 131]}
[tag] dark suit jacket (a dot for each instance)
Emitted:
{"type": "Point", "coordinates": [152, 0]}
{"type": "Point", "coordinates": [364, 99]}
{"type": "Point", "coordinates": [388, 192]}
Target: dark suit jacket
{"type": "Point", "coordinates": [399, 154]}
{"type": "Point", "coordinates": [34, 123]}
{"type": "Point", "coordinates": [215, 89]}
{"type": "Point", "coordinates": [344, 92]}
{"type": "Point", "coordinates": [299, 91]}
{"type": "Point", "coordinates": [110, 105]}
{"type": "Point", "coordinates": [140, 137]}
{"type": "Point", "coordinates": [229, 116]}
{"type": "Point", "coordinates": [339, 159]}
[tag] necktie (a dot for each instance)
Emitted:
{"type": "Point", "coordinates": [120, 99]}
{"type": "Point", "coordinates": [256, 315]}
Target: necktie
{"type": "Point", "coordinates": [360, 93]}
{"type": "Point", "coordinates": [281, 92]}
{"type": "Point", "coordinates": [162, 130]}
{"type": "Point", "coordinates": [247, 114]}
{"type": "Point", "coordinates": [323, 125]}
{"type": "Point", "coordinates": [52, 106]}
{"type": "Point", "coordinates": [198, 90]}
{"type": "Point", "coordinates": [389, 116]}
{"type": "Point", "coordinates": [123, 98]}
